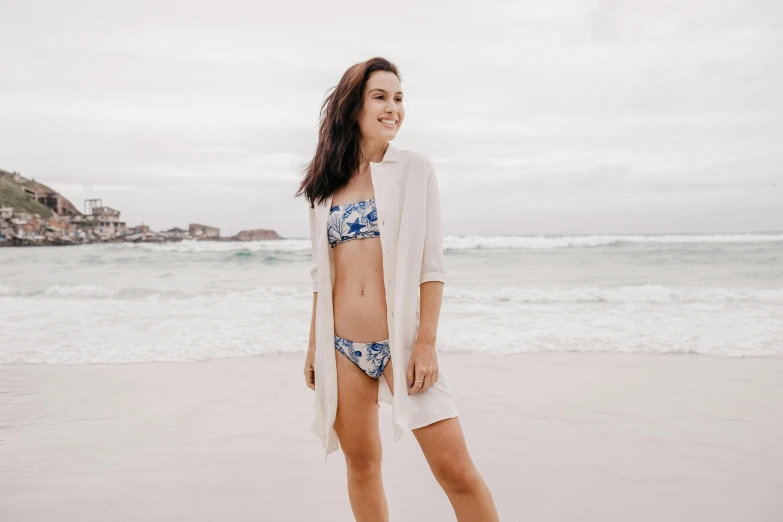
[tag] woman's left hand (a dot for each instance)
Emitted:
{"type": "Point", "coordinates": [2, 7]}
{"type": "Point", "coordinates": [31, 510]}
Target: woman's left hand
{"type": "Point", "coordinates": [422, 367]}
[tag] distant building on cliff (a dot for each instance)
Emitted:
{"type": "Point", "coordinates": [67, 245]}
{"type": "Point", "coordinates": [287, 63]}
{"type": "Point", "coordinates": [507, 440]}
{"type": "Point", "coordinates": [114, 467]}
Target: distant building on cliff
{"type": "Point", "coordinates": [6, 213]}
{"type": "Point", "coordinates": [106, 217]}
{"type": "Point", "coordinates": [54, 201]}
{"type": "Point", "coordinates": [105, 221]}
{"type": "Point", "coordinates": [203, 231]}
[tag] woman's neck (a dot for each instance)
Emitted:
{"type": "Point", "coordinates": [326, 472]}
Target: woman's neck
{"type": "Point", "coordinates": [373, 152]}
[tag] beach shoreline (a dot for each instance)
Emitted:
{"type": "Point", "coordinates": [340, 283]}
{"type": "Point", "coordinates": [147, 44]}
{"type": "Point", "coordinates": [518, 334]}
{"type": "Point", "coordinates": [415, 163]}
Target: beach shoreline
{"type": "Point", "coordinates": [557, 436]}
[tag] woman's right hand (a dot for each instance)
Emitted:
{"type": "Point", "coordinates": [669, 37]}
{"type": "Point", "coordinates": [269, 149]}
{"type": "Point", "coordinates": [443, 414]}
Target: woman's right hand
{"type": "Point", "coordinates": [309, 368]}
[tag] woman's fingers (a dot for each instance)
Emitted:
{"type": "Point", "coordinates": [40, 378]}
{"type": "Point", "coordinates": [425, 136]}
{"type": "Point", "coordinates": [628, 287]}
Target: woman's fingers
{"type": "Point", "coordinates": [410, 375]}
{"type": "Point", "coordinates": [418, 381]}
{"type": "Point", "coordinates": [423, 379]}
{"type": "Point", "coordinates": [309, 373]}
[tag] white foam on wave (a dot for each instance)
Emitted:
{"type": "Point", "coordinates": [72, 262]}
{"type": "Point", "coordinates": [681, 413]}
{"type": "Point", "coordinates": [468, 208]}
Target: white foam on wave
{"type": "Point", "coordinates": [272, 320]}
{"type": "Point", "coordinates": [191, 328]}
{"type": "Point", "coordinates": [303, 245]}
{"type": "Point", "coordinates": [723, 330]}
{"type": "Point", "coordinates": [622, 294]}
{"type": "Point", "coordinates": [64, 291]}
{"type": "Point", "coordinates": [192, 246]}
{"type": "Point", "coordinates": [88, 292]}
{"type": "Point", "coordinates": [552, 242]}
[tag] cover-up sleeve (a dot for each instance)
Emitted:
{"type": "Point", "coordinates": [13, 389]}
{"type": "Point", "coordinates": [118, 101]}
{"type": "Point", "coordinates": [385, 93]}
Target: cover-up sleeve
{"type": "Point", "coordinates": [313, 265]}
{"type": "Point", "coordinates": [432, 266]}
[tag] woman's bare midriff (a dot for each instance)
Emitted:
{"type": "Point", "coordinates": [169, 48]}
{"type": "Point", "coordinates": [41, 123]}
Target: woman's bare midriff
{"type": "Point", "coordinates": [358, 294]}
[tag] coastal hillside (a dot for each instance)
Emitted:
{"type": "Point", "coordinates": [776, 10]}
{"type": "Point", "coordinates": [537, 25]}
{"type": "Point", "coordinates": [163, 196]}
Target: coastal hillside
{"type": "Point", "coordinates": [59, 222]}
{"type": "Point", "coordinates": [13, 195]}
{"type": "Point", "coordinates": [28, 195]}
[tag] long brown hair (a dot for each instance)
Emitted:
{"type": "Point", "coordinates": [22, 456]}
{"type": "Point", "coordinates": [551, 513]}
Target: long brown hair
{"type": "Point", "coordinates": [338, 153]}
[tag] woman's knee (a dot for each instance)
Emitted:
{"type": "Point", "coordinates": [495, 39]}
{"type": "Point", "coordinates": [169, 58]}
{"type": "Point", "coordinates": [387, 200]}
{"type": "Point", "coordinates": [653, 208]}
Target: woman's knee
{"type": "Point", "coordinates": [457, 475]}
{"type": "Point", "coordinates": [363, 463]}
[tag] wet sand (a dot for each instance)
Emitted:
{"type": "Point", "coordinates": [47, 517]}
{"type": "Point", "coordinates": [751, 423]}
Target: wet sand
{"type": "Point", "coordinates": [558, 437]}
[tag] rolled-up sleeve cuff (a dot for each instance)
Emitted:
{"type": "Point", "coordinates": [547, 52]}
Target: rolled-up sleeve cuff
{"type": "Point", "coordinates": [432, 276]}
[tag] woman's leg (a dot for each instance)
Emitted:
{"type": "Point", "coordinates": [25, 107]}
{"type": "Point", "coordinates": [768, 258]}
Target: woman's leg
{"type": "Point", "coordinates": [444, 448]}
{"type": "Point", "coordinates": [360, 439]}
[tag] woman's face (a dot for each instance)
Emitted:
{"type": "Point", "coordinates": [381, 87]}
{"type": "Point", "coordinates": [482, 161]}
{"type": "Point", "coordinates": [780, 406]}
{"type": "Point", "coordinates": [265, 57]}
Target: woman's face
{"type": "Point", "coordinates": [382, 112]}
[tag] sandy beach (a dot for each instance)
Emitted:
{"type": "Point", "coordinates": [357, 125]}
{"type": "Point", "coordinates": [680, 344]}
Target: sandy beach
{"type": "Point", "coordinates": [558, 437]}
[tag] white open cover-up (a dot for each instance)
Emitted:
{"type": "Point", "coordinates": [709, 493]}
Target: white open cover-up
{"type": "Point", "coordinates": [409, 218]}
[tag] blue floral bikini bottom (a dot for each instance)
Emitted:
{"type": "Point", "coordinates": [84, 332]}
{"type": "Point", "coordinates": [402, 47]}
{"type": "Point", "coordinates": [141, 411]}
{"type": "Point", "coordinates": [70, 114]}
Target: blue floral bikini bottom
{"type": "Point", "coordinates": [370, 357]}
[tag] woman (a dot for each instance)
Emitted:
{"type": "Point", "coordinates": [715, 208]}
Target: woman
{"type": "Point", "coordinates": [378, 267]}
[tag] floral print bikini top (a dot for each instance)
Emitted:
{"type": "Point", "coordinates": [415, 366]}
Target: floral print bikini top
{"type": "Point", "coordinates": [352, 221]}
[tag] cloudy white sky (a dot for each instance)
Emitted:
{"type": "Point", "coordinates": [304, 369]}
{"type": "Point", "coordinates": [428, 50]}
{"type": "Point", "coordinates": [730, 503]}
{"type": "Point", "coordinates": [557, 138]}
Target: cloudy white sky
{"type": "Point", "coordinates": [542, 117]}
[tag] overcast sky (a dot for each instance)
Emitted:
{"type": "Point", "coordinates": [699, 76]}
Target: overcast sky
{"type": "Point", "coordinates": [542, 117]}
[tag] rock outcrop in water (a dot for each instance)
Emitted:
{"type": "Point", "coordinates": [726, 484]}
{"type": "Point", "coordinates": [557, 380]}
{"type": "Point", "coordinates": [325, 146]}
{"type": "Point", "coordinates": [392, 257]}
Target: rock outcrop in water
{"type": "Point", "coordinates": [259, 234]}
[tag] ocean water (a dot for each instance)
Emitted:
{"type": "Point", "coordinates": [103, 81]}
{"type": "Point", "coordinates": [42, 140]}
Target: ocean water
{"type": "Point", "coordinates": [715, 295]}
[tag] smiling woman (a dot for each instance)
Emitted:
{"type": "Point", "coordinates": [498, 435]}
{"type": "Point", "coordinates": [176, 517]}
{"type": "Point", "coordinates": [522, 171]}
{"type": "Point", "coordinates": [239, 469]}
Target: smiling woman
{"type": "Point", "coordinates": [379, 273]}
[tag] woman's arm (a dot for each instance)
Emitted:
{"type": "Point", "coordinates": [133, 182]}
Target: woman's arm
{"type": "Point", "coordinates": [431, 299]}
{"type": "Point", "coordinates": [314, 263]}
{"type": "Point", "coordinates": [309, 369]}
{"type": "Point", "coordinates": [422, 371]}
{"type": "Point", "coordinates": [423, 364]}
{"type": "Point", "coordinates": [312, 323]}
{"type": "Point", "coordinates": [432, 266]}
{"type": "Point", "coordinates": [433, 270]}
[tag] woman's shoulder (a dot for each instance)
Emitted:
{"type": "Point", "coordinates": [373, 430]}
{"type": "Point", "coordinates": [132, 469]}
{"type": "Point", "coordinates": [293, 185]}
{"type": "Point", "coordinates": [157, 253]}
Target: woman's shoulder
{"type": "Point", "coordinates": [415, 160]}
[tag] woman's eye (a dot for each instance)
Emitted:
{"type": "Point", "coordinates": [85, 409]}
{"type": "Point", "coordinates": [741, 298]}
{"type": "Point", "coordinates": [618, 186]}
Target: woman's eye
{"type": "Point", "coordinates": [379, 97]}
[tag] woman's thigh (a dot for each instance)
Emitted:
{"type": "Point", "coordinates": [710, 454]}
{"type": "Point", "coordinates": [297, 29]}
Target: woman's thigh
{"type": "Point", "coordinates": [388, 374]}
{"type": "Point", "coordinates": [444, 447]}
{"type": "Point", "coordinates": [357, 411]}
{"type": "Point", "coordinates": [442, 440]}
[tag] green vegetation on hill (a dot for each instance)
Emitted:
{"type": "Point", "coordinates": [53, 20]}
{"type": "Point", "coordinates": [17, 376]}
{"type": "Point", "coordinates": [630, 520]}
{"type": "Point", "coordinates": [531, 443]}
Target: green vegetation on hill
{"type": "Point", "coordinates": [11, 195]}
